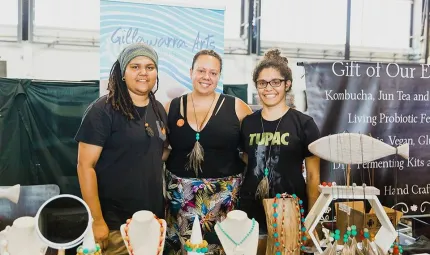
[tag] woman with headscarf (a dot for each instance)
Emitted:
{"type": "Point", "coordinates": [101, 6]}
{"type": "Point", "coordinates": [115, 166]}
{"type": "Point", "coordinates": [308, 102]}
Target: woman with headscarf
{"type": "Point", "coordinates": [121, 142]}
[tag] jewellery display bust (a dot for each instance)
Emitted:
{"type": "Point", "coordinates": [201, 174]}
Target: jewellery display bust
{"type": "Point", "coordinates": [21, 239]}
{"type": "Point", "coordinates": [144, 234]}
{"type": "Point", "coordinates": [238, 234]}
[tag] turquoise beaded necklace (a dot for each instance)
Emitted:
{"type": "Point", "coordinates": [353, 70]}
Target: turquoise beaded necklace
{"type": "Point", "coordinates": [243, 239]}
{"type": "Point", "coordinates": [278, 235]}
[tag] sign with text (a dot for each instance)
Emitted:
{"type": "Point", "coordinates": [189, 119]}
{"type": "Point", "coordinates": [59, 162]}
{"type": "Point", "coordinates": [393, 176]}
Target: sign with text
{"type": "Point", "coordinates": [176, 32]}
{"type": "Point", "coordinates": [388, 101]}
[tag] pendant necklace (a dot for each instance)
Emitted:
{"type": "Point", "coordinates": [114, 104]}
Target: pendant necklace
{"type": "Point", "coordinates": [237, 250]}
{"type": "Point", "coordinates": [196, 156]}
{"type": "Point", "coordinates": [263, 187]}
{"type": "Point", "coordinates": [148, 129]}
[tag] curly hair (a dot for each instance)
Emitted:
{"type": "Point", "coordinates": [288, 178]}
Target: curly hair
{"type": "Point", "coordinates": [273, 59]}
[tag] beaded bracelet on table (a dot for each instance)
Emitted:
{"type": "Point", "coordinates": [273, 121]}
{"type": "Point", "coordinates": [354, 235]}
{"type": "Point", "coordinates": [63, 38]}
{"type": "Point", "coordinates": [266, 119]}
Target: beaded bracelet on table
{"type": "Point", "coordinates": [82, 251]}
{"type": "Point", "coordinates": [199, 248]}
{"type": "Point", "coordinates": [396, 249]}
{"type": "Point", "coordinates": [279, 245]}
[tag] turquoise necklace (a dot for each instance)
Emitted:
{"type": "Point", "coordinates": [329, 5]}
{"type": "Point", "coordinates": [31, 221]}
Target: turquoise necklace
{"type": "Point", "coordinates": [243, 239]}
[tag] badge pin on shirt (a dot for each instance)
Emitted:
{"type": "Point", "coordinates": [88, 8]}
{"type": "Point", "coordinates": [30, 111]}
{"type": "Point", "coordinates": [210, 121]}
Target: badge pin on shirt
{"type": "Point", "coordinates": [180, 122]}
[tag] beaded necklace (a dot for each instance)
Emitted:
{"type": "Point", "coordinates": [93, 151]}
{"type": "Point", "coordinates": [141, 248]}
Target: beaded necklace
{"type": "Point", "coordinates": [198, 248]}
{"type": "Point", "coordinates": [160, 243]}
{"type": "Point", "coordinates": [279, 245]}
{"type": "Point", "coordinates": [96, 251]}
{"type": "Point", "coordinates": [243, 239]}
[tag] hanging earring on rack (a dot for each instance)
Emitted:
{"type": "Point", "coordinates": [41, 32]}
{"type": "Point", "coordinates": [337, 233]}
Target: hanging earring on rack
{"type": "Point", "coordinates": [365, 243]}
{"type": "Point", "coordinates": [353, 230]}
{"type": "Point", "coordinates": [334, 235]}
{"type": "Point", "coordinates": [332, 247]}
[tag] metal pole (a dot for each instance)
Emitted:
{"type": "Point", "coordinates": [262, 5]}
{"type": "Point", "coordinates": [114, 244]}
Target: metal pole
{"type": "Point", "coordinates": [20, 17]}
{"type": "Point", "coordinates": [250, 18]}
{"type": "Point", "coordinates": [348, 31]}
{"type": "Point", "coordinates": [258, 24]}
{"type": "Point", "coordinates": [411, 26]}
{"type": "Point", "coordinates": [31, 12]}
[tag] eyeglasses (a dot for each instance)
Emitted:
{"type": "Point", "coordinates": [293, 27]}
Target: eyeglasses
{"type": "Point", "coordinates": [262, 84]}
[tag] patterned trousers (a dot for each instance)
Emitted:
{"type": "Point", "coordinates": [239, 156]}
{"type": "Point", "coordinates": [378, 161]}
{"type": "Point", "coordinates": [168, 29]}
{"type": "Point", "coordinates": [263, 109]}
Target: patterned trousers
{"type": "Point", "coordinates": [116, 244]}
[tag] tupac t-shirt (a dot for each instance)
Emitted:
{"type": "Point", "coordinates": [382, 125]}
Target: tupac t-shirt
{"type": "Point", "coordinates": [280, 146]}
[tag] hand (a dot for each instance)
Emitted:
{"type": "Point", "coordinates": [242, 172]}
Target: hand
{"type": "Point", "coordinates": [101, 233]}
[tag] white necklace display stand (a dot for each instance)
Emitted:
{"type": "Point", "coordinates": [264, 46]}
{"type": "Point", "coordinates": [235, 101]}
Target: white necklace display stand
{"type": "Point", "coordinates": [144, 234]}
{"type": "Point", "coordinates": [352, 148]}
{"type": "Point", "coordinates": [21, 239]}
{"type": "Point", "coordinates": [11, 193]}
{"type": "Point", "coordinates": [237, 234]}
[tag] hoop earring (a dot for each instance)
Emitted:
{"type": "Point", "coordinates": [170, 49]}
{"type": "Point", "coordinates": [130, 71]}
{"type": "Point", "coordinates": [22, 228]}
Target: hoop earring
{"type": "Point", "coordinates": [123, 79]}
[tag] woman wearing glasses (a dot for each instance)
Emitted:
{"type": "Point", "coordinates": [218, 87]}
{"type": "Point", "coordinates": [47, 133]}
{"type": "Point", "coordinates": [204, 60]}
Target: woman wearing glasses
{"type": "Point", "coordinates": [275, 141]}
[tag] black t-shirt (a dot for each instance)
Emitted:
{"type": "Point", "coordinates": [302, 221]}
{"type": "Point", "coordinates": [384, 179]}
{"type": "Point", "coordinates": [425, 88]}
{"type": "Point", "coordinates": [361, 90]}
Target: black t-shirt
{"type": "Point", "coordinates": [129, 170]}
{"type": "Point", "coordinates": [282, 152]}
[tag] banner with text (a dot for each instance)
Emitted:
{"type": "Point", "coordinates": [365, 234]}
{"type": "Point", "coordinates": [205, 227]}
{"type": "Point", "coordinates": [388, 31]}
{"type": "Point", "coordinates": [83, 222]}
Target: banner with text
{"type": "Point", "coordinates": [175, 31]}
{"type": "Point", "coordinates": [387, 101]}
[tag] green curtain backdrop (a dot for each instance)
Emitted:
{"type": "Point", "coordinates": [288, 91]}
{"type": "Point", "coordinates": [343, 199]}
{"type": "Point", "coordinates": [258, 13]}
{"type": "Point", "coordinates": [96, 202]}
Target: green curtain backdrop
{"type": "Point", "coordinates": [38, 121]}
{"type": "Point", "coordinates": [237, 90]}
